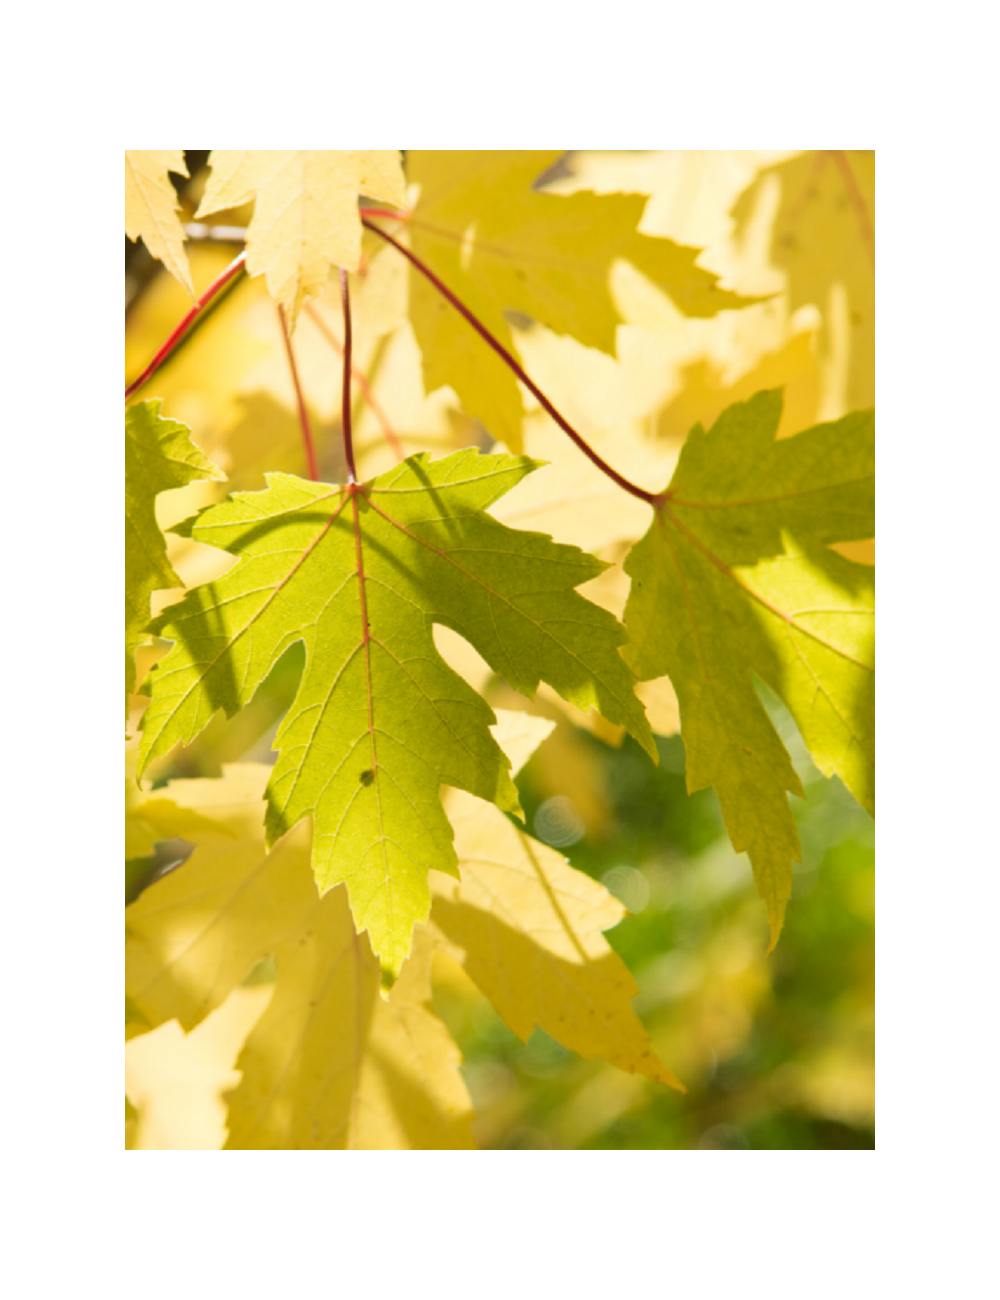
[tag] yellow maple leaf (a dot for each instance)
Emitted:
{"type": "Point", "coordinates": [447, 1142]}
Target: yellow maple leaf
{"type": "Point", "coordinates": [527, 927]}
{"type": "Point", "coordinates": [502, 244]}
{"type": "Point", "coordinates": [305, 210]}
{"type": "Point", "coordinates": [195, 935]}
{"type": "Point", "coordinates": [151, 207]}
{"type": "Point", "coordinates": [331, 1063]}
{"type": "Point", "coordinates": [177, 1081]}
{"type": "Point", "coordinates": [823, 239]}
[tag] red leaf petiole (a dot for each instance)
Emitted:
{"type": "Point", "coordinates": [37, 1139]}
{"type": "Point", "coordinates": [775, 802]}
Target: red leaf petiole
{"type": "Point", "coordinates": [654, 499]}
{"type": "Point", "coordinates": [232, 270]}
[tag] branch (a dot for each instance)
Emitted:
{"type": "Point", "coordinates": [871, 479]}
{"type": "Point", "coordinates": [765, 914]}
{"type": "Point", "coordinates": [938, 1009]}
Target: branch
{"type": "Point", "coordinates": [654, 499]}
{"type": "Point", "coordinates": [345, 296]}
{"type": "Point", "coordinates": [361, 379]}
{"type": "Point", "coordinates": [307, 437]}
{"type": "Point", "coordinates": [234, 269]}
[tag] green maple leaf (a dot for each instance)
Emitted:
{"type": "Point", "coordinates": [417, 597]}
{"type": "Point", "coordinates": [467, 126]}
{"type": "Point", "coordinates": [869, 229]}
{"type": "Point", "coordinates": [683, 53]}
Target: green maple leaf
{"type": "Point", "coordinates": [735, 577]}
{"type": "Point", "coordinates": [359, 574]}
{"type": "Point", "coordinates": [159, 455]}
{"type": "Point", "coordinates": [501, 245]}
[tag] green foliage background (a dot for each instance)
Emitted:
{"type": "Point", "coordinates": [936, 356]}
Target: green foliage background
{"type": "Point", "coordinates": [776, 1052]}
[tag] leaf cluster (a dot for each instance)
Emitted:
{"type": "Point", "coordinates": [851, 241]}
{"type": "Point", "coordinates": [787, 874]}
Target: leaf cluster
{"type": "Point", "coordinates": [422, 575]}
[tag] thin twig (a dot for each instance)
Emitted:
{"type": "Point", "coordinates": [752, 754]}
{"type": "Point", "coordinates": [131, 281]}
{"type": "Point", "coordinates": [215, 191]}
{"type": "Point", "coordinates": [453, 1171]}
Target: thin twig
{"type": "Point", "coordinates": [652, 498]}
{"type": "Point", "coordinates": [388, 213]}
{"type": "Point", "coordinates": [361, 379]}
{"type": "Point", "coordinates": [345, 297]}
{"type": "Point", "coordinates": [307, 437]}
{"type": "Point", "coordinates": [232, 270]}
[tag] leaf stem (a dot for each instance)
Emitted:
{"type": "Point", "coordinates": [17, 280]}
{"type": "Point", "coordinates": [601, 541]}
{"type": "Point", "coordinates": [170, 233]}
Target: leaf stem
{"type": "Point", "coordinates": [345, 297]}
{"type": "Point", "coordinates": [384, 212]}
{"type": "Point", "coordinates": [654, 499]}
{"type": "Point", "coordinates": [232, 270]}
{"type": "Point", "coordinates": [361, 379]}
{"type": "Point", "coordinates": [307, 437]}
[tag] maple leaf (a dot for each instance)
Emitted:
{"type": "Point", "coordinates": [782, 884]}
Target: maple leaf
{"type": "Point", "coordinates": [330, 1063]}
{"type": "Point", "coordinates": [501, 245]}
{"type": "Point", "coordinates": [735, 577]}
{"type": "Point", "coordinates": [159, 455]}
{"type": "Point", "coordinates": [823, 238]}
{"type": "Point", "coordinates": [194, 936]}
{"type": "Point", "coordinates": [527, 928]}
{"type": "Point", "coordinates": [178, 1081]}
{"type": "Point", "coordinates": [305, 211]}
{"type": "Point", "coordinates": [359, 574]}
{"type": "Point", "coordinates": [151, 207]}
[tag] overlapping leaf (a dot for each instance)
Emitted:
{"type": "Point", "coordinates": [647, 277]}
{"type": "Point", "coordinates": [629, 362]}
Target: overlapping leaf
{"type": "Point", "coordinates": [528, 929]}
{"type": "Point", "coordinates": [736, 577]}
{"type": "Point", "coordinates": [330, 1063]}
{"type": "Point", "coordinates": [823, 238]}
{"type": "Point", "coordinates": [503, 246]}
{"type": "Point", "coordinates": [379, 721]}
{"type": "Point", "coordinates": [305, 211]}
{"type": "Point", "coordinates": [159, 455]}
{"type": "Point", "coordinates": [151, 207]}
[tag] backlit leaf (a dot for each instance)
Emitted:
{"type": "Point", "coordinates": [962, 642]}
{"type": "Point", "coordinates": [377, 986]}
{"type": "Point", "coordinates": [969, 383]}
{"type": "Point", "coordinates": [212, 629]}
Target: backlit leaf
{"type": "Point", "coordinates": [380, 721]}
{"type": "Point", "coordinates": [151, 207]}
{"type": "Point", "coordinates": [528, 929]}
{"type": "Point", "coordinates": [503, 246]}
{"type": "Point", "coordinates": [331, 1062]}
{"type": "Point", "coordinates": [736, 577]}
{"type": "Point", "coordinates": [159, 455]}
{"type": "Point", "coordinates": [197, 933]}
{"type": "Point", "coordinates": [305, 210]}
{"type": "Point", "coordinates": [178, 1081]}
{"type": "Point", "coordinates": [823, 238]}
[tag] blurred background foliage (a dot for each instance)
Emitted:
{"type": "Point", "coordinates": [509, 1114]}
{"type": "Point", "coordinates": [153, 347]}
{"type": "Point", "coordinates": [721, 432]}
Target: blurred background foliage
{"type": "Point", "coordinates": [776, 1051]}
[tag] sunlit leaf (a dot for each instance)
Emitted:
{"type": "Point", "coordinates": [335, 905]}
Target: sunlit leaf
{"type": "Point", "coordinates": [151, 207]}
{"type": "Point", "coordinates": [305, 210]}
{"type": "Point", "coordinates": [736, 577]}
{"type": "Point", "coordinates": [380, 721]}
{"type": "Point", "coordinates": [159, 455]}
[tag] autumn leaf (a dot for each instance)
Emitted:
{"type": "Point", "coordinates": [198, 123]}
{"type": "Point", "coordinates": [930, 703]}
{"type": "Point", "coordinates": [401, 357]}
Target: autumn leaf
{"type": "Point", "coordinates": [305, 210]}
{"type": "Point", "coordinates": [503, 246]}
{"type": "Point", "coordinates": [178, 1081]}
{"type": "Point", "coordinates": [823, 238]}
{"type": "Point", "coordinates": [330, 1063]}
{"type": "Point", "coordinates": [380, 721]}
{"type": "Point", "coordinates": [197, 933]}
{"type": "Point", "coordinates": [527, 927]}
{"type": "Point", "coordinates": [735, 577]}
{"type": "Point", "coordinates": [151, 207]}
{"type": "Point", "coordinates": [159, 455]}
{"type": "Point", "coordinates": [150, 821]}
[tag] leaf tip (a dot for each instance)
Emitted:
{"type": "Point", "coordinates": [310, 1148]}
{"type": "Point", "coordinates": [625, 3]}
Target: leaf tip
{"type": "Point", "coordinates": [775, 920]}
